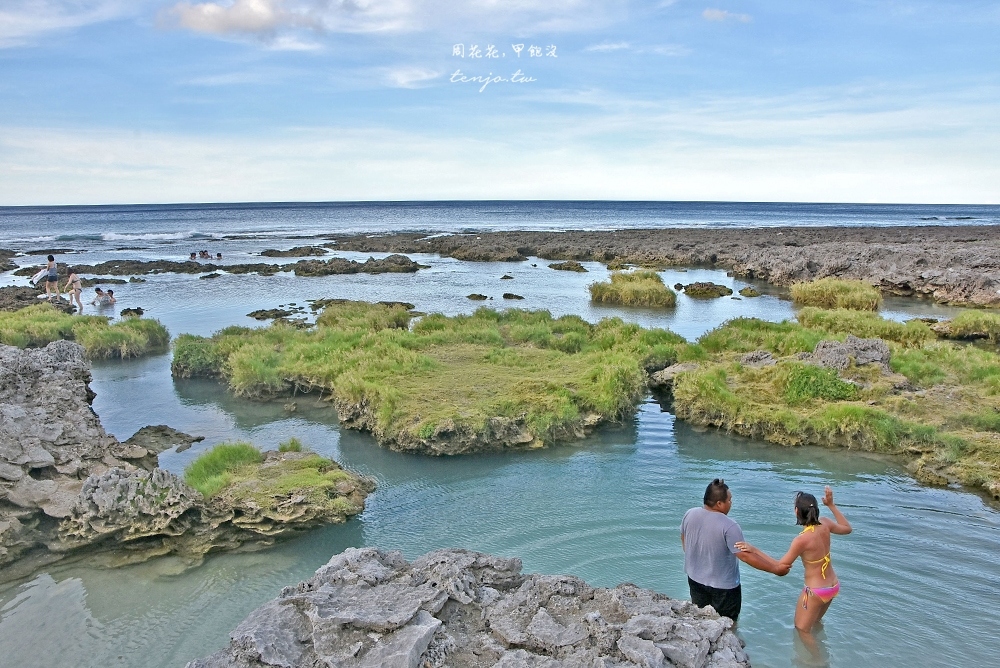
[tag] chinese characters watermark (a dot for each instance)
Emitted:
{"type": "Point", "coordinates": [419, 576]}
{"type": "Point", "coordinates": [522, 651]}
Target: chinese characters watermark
{"type": "Point", "coordinates": [491, 51]}
{"type": "Point", "coordinates": [488, 51]}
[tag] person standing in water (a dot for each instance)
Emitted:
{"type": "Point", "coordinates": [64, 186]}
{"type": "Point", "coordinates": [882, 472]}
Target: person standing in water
{"type": "Point", "coordinates": [812, 545]}
{"type": "Point", "coordinates": [711, 556]}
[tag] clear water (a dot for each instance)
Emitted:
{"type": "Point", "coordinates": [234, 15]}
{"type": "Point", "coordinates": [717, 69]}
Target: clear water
{"type": "Point", "coordinates": [919, 572]}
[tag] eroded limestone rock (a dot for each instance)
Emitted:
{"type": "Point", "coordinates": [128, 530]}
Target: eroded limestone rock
{"type": "Point", "coordinates": [66, 485]}
{"type": "Point", "coordinates": [463, 609]}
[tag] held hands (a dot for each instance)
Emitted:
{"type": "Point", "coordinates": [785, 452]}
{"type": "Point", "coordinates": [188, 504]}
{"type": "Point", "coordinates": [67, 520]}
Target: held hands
{"type": "Point", "coordinates": [828, 496]}
{"type": "Point", "coordinates": [765, 563]}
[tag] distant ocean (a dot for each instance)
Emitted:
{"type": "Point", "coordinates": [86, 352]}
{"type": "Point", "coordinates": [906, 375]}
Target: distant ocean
{"type": "Point", "coordinates": [94, 227]}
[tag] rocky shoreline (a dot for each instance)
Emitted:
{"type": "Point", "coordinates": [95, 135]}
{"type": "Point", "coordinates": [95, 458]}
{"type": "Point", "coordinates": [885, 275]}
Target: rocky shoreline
{"type": "Point", "coordinates": [67, 487]}
{"type": "Point", "coordinates": [950, 264]}
{"type": "Point", "coordinates": [370, 609]}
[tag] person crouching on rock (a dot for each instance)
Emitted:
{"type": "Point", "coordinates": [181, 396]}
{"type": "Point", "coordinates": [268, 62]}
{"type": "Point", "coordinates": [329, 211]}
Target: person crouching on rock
{"type": "Point", "coordinates": [711, 556]}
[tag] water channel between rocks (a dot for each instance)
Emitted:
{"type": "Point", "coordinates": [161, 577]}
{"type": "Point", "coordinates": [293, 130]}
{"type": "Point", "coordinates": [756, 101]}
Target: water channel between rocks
{"type": "Point", "coordinates": [918, 574]}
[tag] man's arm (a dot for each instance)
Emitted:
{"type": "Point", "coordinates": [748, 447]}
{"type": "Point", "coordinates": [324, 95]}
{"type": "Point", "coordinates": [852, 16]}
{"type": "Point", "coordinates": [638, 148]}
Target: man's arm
{"type": "Point", "coordinates": [763, 562]}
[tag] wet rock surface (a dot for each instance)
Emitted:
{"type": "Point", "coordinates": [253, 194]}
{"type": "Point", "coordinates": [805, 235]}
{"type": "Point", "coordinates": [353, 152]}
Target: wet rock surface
{"type": "Point", "coordinates": [298, 251]}
{"type": "Point", "coordinates": [67, 486]}
{"type": "Point", "coordinates": [466, 609]}
{"type": "Point", "coordinates": [17, 298]}
{"type": "Point", "coordinates": [391, 264]}
{"type": "Point", "coordinates": [953, 264]}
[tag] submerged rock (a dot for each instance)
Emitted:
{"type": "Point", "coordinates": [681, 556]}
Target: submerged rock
{"type": "Point", "coordinates": [706, 290]}
{"type": "Point", "coordinates": [466, 609]}
{"type": "Point", "coordinates": [569, 265]}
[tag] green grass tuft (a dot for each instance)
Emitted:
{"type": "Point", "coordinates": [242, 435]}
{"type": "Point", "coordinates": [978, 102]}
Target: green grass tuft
{"type": "Point", "coordinates": [834, 293]}
{"type": "Point", "coordinates": [804, 382]}
{"type": "Point", "coordinates": [912, 333]}
{"type": "Point", "coordinates": [633, 288]}
{"type": "Point", "coordinates": [41, 324]}
{"type": "Point", "coordinates": [969, 324]}
{"type": "Point", "coordinates": [291, 445]}
{"type": "Point", "coordinates": [447, 371]}
{"type": "Point", "coordinates": [214, 470]}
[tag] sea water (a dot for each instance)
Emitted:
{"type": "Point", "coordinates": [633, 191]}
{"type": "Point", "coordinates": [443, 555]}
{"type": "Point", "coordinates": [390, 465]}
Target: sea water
{"type": "Point", "coordinates": [918, 573]}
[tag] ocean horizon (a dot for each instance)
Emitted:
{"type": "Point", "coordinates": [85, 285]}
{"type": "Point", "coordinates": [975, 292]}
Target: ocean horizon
{"type": "Point", "coordinates": [21, 226]}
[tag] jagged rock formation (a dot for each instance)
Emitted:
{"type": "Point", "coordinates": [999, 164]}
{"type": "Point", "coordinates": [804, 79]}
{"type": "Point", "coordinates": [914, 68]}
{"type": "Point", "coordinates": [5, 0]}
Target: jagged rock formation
{"type": "Point", "coordinates": [839, 356]}
{"type": "Point", "coordinates": [66, 485]}
{"type": "Point", "coordinates": [953, 264]}
{"type": "Point", "coordinates": [337, 265]}
{"type": "Point", "coordinates": [367, 608]}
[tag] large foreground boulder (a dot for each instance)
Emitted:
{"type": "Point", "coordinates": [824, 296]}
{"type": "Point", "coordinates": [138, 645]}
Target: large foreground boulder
{"type": "Point", "coordinates": [368, 608]}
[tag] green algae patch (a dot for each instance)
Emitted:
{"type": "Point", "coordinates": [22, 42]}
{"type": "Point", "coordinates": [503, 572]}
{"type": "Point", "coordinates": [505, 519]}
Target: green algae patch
{"type": "Point", "coordinates": [749, 292]}
{"type": "Point", "coordinates": [448, 384]}
{"type": "Point", "coordinates": [835, 293]}
{"type": "Point", "coordinates": [284, 485]}
{"type": "Point", "coordinates": [633, 288]}
{"type": "Point", "coordinates": [41, 324]}
{"type": "Point", "coordinates": [937, 404]}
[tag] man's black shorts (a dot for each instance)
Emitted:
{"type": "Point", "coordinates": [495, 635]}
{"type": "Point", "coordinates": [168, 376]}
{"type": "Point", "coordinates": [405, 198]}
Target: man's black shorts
{"type": "Point", "coordinates": [727, 602]}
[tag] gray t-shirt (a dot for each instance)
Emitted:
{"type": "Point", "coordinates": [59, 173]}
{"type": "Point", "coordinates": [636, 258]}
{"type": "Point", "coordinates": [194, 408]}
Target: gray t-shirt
{"type": "Point", "coordinates": [710, 548]}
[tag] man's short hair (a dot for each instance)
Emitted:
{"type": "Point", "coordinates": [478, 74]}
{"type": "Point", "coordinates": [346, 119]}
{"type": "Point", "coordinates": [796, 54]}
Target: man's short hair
{"type": "Point", "coordinates": [716, 491]}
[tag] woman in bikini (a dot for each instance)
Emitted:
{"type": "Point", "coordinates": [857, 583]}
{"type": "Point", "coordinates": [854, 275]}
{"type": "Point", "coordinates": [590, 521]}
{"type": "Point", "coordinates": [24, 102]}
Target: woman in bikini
{"type": "Point", "coordinates": [75, 288]}
{"type": "Point", "coordinates": [813, 546]}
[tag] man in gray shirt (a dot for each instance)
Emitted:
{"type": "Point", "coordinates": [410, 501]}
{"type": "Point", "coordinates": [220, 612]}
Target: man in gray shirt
{"type": "Point", "coordinates": [711, 559]}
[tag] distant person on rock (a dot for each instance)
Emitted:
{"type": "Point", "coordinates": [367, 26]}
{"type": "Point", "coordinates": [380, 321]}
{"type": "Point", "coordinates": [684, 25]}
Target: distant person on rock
{"type": "Point", "coordinates": [51, 279]}
{"type": "Point", "coordinates": [75, 289]}
{"type": "Point", "coordinates": [711, 556]}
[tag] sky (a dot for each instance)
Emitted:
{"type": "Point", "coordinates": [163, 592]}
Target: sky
{"type": "Point", "coordinates": [150, 101]}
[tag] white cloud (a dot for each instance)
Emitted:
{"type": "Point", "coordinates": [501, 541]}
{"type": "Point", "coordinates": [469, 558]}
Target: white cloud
{"type": "Point", "coordinates": [21, 21]}
{"type": "Point", "coordinates": [723, 15]}
{"type": "Point", "coordinates": [242, 16]}
{"type": "Point", "coordinates": [409, 77]}
{"type": "Point", "coordinates": [267, 17]}
{"type": "Point", "coordinates": [605, 47]}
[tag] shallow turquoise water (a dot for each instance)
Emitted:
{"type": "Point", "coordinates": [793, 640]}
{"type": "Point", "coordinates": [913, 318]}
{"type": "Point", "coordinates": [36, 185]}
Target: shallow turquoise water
{"type": "Point", "coordinates": [919, 572]}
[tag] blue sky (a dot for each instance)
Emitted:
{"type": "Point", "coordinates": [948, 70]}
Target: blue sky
{"type": "Point", "coordinates": [110, 101]}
